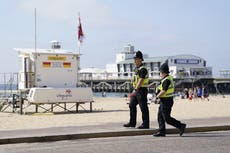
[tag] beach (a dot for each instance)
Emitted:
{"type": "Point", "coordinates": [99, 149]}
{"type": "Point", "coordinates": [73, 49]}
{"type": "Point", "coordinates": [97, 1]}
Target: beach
{"type": "Point", "coordinates": [115, 110]}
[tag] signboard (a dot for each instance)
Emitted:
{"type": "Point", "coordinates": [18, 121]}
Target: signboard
{"type": "Point", "coordinates": [55, 70]}
{"type": "Point", "coordinates": [56, 64]}
{"type": "Point", "coordinates": [57, 58]}
{"type": "Point", "coordinates": [186, 61]}
{"type": "Point", "coordinates": [58, 95]}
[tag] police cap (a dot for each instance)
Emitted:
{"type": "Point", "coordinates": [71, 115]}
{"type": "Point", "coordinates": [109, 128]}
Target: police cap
{"type": "Point", "coordinates": [139, 55]}
{"type": "Point", "coordinates": [164, 68]}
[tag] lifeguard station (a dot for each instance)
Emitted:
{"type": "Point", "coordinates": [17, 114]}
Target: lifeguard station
{"type": "Point", "coordinates": [51, 76]}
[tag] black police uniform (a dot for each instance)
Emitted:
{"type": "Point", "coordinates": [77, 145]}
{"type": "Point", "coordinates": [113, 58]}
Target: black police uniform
{"type": "Point", "coordinates": [141, 99]}
{"type": "Point", "coordinates": [166, 103]}
{"type": "Point", "coordinates": [164, 112]}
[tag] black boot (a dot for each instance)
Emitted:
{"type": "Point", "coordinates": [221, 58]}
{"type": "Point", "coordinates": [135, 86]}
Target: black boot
{"type": "Point", "coordinates": [159, 134]}
{"type": "Point", "coordinates": [143, 127]}
{"type": "Point", "coordinates": [129, 125]}
{"type": "Point", "coordinates": [182, 129]}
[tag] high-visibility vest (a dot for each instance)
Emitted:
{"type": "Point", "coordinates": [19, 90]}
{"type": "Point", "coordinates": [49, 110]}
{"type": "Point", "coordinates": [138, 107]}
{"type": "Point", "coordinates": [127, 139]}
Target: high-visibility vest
{"type": "Point", "coordinates": [169, 92]}
{"type": "Point", "coordinates": [136, 77]}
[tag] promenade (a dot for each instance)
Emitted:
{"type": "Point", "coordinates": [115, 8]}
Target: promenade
{"type": "Point", "coordinates": [107, 118]}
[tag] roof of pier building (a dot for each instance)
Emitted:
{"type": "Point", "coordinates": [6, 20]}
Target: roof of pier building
{"type": "Point", "coordinates": [162, 59]}
{"type": "Point", "coordinates": [147, 60]}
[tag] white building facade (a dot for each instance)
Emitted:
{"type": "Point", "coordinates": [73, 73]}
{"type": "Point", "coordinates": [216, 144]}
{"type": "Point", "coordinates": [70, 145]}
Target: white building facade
{"type": "Point", "coordinates": [180, 66]}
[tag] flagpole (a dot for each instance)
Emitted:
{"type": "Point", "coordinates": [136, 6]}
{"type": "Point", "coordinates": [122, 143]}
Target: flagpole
{"type": "Point", "coordinates": [79, 48]}
{"type": "Point", "coordinates": [35, 47]}
{"type": "Point", "coordinates": [79, 45]}
{"type": "Point", "coordinates": [80, 34]}
{"type": "Point", "coordinates": [79, 51]}
{"type": "Point", "coordinates": [35, 29]}
{"type": "Point", "coordinates": [78, 69]}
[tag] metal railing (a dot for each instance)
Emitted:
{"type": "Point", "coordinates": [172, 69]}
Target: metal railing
{"type": "Point", "coordinates": [8, 84]}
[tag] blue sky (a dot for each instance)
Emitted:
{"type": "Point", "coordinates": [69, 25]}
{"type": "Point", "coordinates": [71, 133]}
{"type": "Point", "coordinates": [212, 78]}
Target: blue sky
{"type": "Point", "coordinates": [157, 27]}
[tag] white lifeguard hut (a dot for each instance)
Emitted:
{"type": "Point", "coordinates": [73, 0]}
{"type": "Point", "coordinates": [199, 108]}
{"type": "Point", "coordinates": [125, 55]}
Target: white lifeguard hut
{"type": "Point", "coordinates": [53, 67]}
{"type": "Point", "coordinates": [51, 76]}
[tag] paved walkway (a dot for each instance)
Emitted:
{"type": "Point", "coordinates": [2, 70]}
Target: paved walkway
{"type": "Point", "coordinates": [105, 130]}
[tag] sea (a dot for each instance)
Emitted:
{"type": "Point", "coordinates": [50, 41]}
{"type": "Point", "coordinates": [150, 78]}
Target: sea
{"type": "Point", "coordinates": [8, 86]}
{"type": "Point", "coordinates": [110, 94]}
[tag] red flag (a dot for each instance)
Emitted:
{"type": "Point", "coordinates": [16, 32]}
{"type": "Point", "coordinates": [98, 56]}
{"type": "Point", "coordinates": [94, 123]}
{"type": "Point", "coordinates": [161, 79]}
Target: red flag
{"type": "Point", "coordinates": [80, 32]}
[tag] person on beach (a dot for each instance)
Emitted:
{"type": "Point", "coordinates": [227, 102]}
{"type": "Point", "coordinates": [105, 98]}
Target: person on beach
{"type": "Point", "coordinates": [199, 92]}
{"type": "Point", "coordinates": [186, 93]}
{"type": "Point", "coordinates": [205, 93]}
{"type": "Point", "coordinates": [190, 92]}
{"type": "Point", "coordinates": [164, 92]}
{"type": "Point", "coordinates": [139, 94]}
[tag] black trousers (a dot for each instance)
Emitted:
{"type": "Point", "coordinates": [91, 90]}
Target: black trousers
{"type": "Point", "coordinates": [141, 99]}
{"type": "Point", "coordinates": [164, 115]}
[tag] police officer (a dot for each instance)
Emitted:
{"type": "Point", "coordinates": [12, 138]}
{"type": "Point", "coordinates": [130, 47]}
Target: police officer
{"type": "Point", "coordinates": [164, 93]}
{"type": "Point", "coordinates": [139, 94]}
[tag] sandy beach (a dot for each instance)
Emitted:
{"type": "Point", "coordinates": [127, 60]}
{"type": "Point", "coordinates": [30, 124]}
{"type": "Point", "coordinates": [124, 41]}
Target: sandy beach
{"type": "Point", "coordinates": [115, 110]}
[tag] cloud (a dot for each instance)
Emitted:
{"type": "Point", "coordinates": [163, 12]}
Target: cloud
{"type": "Point", "coordinates": [168, 37]}
{"type": "Point", "coordinates": [92, 12]}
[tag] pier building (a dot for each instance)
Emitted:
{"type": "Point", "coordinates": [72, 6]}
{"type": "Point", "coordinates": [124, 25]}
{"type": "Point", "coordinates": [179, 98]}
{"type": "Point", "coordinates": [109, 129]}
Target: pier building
{"type": "Point", "coordinates": [180, 66]}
